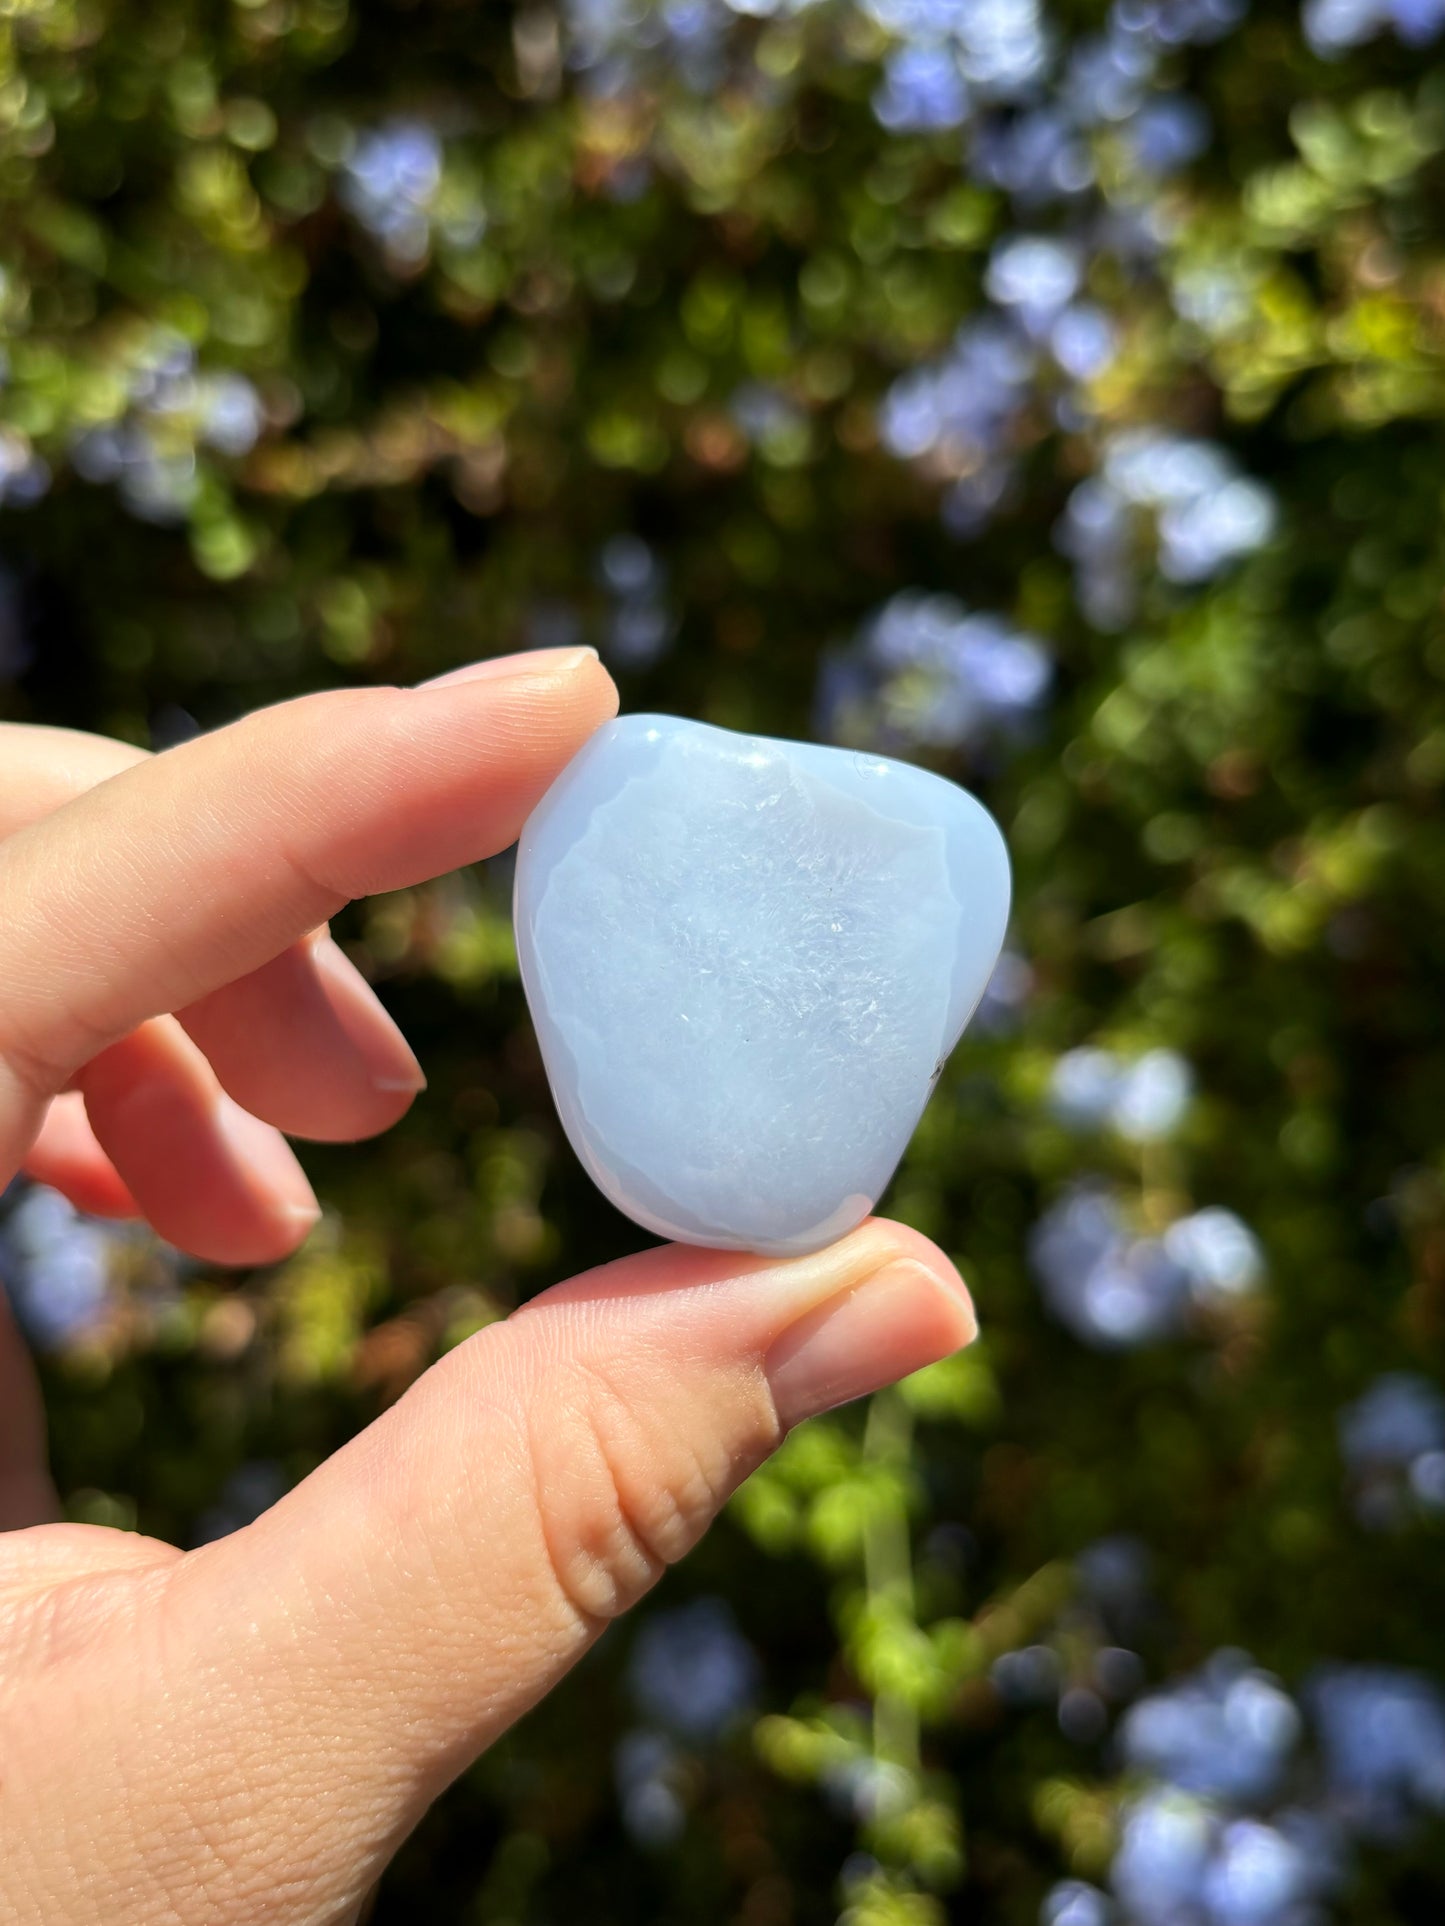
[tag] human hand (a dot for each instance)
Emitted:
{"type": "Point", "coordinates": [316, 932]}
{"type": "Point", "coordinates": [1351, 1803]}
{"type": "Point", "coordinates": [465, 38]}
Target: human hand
{"type": "Point", "coordinates": [247, 1731]}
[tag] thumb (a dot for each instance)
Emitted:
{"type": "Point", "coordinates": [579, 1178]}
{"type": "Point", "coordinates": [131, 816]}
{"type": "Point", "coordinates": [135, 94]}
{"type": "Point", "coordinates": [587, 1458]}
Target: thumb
{"type": "Point", "coordinates": [380, 1626]}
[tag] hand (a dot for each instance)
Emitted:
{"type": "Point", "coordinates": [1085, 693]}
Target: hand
{"type": "Point", "coordinates": [248, 1730]}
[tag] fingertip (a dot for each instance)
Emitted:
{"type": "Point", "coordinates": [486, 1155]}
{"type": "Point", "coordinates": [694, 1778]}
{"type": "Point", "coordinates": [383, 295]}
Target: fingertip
{"type": "Point", "coordinates": [910, 1243]}
{"type": "Point", "coordinates": [266, 1163]}
{"type": "Point", "coordinates": [572, 681]}
{"type": "Point", "coordinates": [903, 1316]}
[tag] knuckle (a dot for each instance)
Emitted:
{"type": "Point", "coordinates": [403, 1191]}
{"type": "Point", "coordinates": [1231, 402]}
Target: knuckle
{"type": "Point", "coordinates": [623, 1490]}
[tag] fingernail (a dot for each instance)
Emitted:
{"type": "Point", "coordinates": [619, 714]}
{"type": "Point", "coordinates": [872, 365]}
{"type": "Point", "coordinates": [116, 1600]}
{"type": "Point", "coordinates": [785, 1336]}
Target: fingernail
{"type": "Point", "coordinates": [528, 662]}
{"type": "Point", "coordinates": [898, 1320]}
{"type": "Point", "coordinates": [374, 1033]}
{"type": "Point", "coordinates": [268, 1160]}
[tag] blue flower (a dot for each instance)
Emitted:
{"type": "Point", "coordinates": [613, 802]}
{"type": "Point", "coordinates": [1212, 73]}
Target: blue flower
{"type": "Point", "coordinates": [1036, 156]}
{"type": "Point", "coordinates": [389, 183]}
{"type": "Point", "coordinates": [691, 1670]}
{"type": "Point", "coordinates": [1083, 340]}
{"type": "Point", "coordinates": [1158, 1872]}
{"type": "Point", "coordinates": [1382, 1733]}
{"type": "Point", "coordinates": [1073, 1903]}
{"type": "Point", "coordinates": [1226, 1733]}
{"type": "Point", "coordinates": [1218, 1252]}
{"type": "Point", "coordinates": [638, 625]}
{"type": "Point", "coordinates": [1392, 1439]}
{"type": "Point", "coordinates": [1111, 1289]}
{"type": "Point", "coordinates": [923, 90]}
{"type": "Point", "coordinates": [24, 476]}
{"type": "Point", "coordinates": [927, 672]}
{"type": "Point", "coordinates": [1035, 275]}
{"type": "Point", "coordinates": [1143, 1101]}
{"type": "Point", "coordinates": [1257, 1876]}
{"type": "Point", "coordinates": [56, 1266]}
{"type": "Point", "coordinates": [1334, 26]}
{"type": "Point", "coordinates": [647, 1768]}
{"type": "Point", "coordinates": [1167, 133]}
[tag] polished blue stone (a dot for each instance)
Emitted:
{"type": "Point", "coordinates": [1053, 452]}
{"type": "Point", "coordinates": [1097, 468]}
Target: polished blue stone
{"type": "Point", "coordinates": [747, 961]}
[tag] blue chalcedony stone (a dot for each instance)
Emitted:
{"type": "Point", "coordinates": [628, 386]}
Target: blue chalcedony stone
{"type": "Point", "coordinates": [747, 961]}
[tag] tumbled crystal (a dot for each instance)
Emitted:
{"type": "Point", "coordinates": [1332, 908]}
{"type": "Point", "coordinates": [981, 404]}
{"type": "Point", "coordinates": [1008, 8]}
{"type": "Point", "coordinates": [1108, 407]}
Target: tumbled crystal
{"type": "Point", "coordinates": [747, 961]}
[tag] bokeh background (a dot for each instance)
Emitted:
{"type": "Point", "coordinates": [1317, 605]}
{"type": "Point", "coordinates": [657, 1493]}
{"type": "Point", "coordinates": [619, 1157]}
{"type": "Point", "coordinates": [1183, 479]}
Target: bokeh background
{"type": "Point", "coordinates": [1049, 394]}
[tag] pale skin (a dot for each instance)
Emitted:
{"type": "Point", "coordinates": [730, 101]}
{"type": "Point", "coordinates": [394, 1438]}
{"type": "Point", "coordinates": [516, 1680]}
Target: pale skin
{"type": "Point", "coordinates": [248, 1730]}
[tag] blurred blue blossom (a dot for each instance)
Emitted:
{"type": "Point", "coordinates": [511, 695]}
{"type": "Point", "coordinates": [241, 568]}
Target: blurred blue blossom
{"type": "Point", "coordinates": [927, 672]}
{"type": "Point", "coordinates": [958, 409]}
{"type": "Point", "coordinates": [1005, 994]}
{"type": "Point", "coordinates": [1083, 1086]}
{"type": "Point", "coordinates": [1106, 77]}
{"type": "Point", "coordinates": [1227, 1733]}
{"type": "Point", "coordinates": [1036, 156]}
{"type": "Point", "coordinates": [175, 407]}
{"type": "Point", "coordinates": [1216, 296]}
{"type": "Point", "coordinates": [1203, 512]}
{"type": "Point", "coordinates": [923, 90]}
{"type": "Point", "coordinates": [1218, 1252]}
{"type": "Point", "coordinates": [691, 1670]}
{"type": "Point", "coordinates": [1180, 1861]}
{"type": "Point", "coordinates": [155, 485]}
{"type": "Point", "coordinates": [389, 183]}
{"type": "Point", "coordinates": [1116, 1289]}
{"type": "Point", "coordinates": [1073, 1903]}
{"type": "Point", "coordinates": [1178, 23]}
{"type": "Point", "coordinates": [1028, 1676]}
{"type": "Point", "coordinates": [1167, 133]}
{"type": "Point", "coordinates": [230, 413]}
{"type": "Point", "coordinates": [695, 33]}
{"type": "Point", "coordinates": [648, 1771]}
{"type": "Point", "coordinates": [1334, 26]}
{"type": "Point", "coordinates": [638, 624]}
{"type": "Point", "coordinates": [597, 29]}
{"type": "Point", "coordinates": [770, 419]}
{"type": "Point", "coordinates": [1083, 340]}
{"type": "Point", "coordinates": [1001, 45]}
{"type": "Point", "coordinates": [1152, 1097]}
{"type": "Point", "coordinates": [1036, 276]}
{"type": "Point", "coordinates": [1392, 1440]}
{"type": "Point", "coordinates": [24, 475]}
{"type": "Point", "coordinates": [1158, 1871]}
{"type": "Point", "coordinates": [1142, 1101]}
{"type": "Point", "coordinates": [1258, 1875]}
{"type": "Point", "coordinates": [1116, 1574]}
{"type": "Point", "coordinates": [1110, 1288]}
{"type": "Point", "coordinates": [1399, 1419]}
{"type": "Point", "coordinates": [869, 1789]}
{"type": "Point", "coordinates": [1382, 1734]}
{"type": "Point", "coordinates": [1393, 1447]}
{"type": "Point", "coordinates": [56, 1265]}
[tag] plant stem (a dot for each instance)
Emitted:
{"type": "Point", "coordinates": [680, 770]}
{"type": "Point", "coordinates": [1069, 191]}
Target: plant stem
{"type": "Point", "coordinates": [888, 1570]}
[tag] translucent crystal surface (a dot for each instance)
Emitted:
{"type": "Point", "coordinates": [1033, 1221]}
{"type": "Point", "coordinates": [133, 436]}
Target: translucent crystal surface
{"type": "Point", "coordinates": [747, 961]}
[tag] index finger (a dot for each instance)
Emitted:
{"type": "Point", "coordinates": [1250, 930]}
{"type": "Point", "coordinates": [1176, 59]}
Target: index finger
{"type": "Point", "coordinates": [193, 868]}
